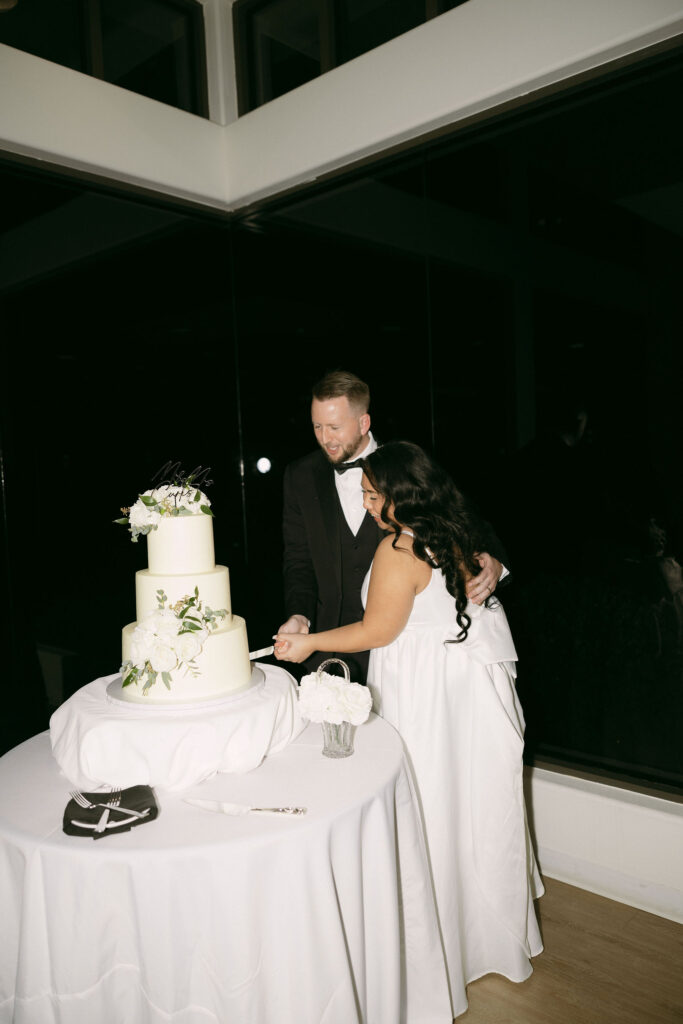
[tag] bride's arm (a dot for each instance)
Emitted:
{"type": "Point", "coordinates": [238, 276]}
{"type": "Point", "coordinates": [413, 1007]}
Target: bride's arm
{"type": "Point", "coordinates": [393, 585]}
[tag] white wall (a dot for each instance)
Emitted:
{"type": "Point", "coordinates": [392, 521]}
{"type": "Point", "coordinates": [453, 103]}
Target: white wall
{"type": "Point", "coordinates": [623, 844]}
{"type": "Point", "coordinates": [472, 59]}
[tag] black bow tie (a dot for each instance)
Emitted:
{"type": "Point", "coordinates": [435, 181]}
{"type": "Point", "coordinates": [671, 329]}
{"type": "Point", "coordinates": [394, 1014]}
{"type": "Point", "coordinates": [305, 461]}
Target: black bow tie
{"type": "Point", "coordinates": [341, 467]}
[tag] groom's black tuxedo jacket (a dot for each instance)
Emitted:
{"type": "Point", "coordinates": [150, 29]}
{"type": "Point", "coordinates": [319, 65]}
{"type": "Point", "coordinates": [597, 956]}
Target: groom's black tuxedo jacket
{"type": "Point", "coordinates": [324, 564]}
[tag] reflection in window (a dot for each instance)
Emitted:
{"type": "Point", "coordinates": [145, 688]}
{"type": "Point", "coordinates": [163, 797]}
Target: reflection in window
{"type": "Point", "coordinates": [365, 24]}
{"type": "Point", "coordinates": [285, 47]}
{"type": "Point", "coordinates": [152, 47]}
{"type": "Point", "coordinates": [281, 44]}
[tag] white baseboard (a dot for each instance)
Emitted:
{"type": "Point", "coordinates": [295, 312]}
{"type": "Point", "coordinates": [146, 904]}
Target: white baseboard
{"type": "Point", "coordinates": [623, 844]}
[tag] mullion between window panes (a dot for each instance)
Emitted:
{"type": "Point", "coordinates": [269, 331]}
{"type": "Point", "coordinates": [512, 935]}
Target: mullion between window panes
{"type": "Point", "coordinates": [328, 35]}
{"type": "Point", "coordinates": [92, 38]}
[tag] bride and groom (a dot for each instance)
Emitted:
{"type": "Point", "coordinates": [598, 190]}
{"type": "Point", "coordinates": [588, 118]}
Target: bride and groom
{"type": "Point", "coordinates": [383, 560]}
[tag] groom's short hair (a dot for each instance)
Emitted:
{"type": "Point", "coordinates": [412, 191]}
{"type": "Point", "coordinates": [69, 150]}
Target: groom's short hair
{"type": "Point", "coordinates": [342, 384]}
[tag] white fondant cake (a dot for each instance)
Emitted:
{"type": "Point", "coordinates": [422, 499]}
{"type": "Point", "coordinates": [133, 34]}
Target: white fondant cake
{"type": "Point", "coordinates": [186, 645]}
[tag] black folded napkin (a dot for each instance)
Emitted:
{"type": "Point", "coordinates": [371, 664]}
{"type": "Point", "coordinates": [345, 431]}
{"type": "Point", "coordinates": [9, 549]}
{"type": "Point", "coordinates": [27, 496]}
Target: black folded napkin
{"type": "Point", "coordinates": [81, 821]}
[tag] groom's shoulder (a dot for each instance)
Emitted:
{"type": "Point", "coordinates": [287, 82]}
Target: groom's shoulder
{"type": "Point", "coordinates": [307, 465]}
{"type": "Point", "coordinates": [313, 462]}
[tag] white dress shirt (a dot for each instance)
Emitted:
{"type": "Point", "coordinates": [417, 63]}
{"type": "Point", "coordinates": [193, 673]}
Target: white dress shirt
{"type": "Point", "coordinates": [351, 495]}
{"type": "Point", "coordinates": [349, 490]}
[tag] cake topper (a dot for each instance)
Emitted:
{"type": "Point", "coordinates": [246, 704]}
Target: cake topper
{"type": "Point", "coordinates": [173, 473]}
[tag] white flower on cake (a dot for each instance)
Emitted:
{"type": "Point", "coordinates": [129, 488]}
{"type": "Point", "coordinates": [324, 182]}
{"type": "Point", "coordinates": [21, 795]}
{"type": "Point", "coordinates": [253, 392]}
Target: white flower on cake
{"type": "Point", "coordinates": [140, 517]}
{"type": "Point", "coordinates": [168, 639]}
{"type": "Point", "coordinates": [327, 698]}
{"type": "Point", "coordinates": [187, 646]}
{"type": "Point", "coordinates": [167, 500]}
{"type": "Point", "coordinates": [162, 658]}
{"type": "Point", "coordinates": [160, 622]}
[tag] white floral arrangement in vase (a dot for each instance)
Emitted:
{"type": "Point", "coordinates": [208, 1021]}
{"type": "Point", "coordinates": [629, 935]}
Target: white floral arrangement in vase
{"type": "Point", "coordinates": [335, 702]}
{"type": "Point", "coordinates": [167, 500]}
{"type": "Point", "coordinates": [168, 639]}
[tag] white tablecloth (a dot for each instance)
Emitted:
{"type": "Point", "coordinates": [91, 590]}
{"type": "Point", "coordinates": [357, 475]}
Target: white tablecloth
{"type": "Point", "coordinates": [201, 918]}
{"type": "Point", "coordinates": [99, 742]}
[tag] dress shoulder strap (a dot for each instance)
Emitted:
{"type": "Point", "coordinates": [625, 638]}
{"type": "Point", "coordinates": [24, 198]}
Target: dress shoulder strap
{"type": "Point", "coordinates": [410, 533]}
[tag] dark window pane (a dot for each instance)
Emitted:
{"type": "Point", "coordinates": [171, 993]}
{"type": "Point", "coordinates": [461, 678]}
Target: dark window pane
{"type": "Point", "coordinates": [149, 48]}
{"type": "Point", "coordinates": [449, 5]}
{"type": "Point", "coordinates": [284, 48]}
{"type": "Point", "coordinates": [473, 178]}
{"type": "Point", "coordinates": [365, 24]}
{"type": "Point", "coordinates": [46, 29]}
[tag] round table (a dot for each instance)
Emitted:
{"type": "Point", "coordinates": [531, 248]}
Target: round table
{"type": "Point", "coordinates": [204, 918]}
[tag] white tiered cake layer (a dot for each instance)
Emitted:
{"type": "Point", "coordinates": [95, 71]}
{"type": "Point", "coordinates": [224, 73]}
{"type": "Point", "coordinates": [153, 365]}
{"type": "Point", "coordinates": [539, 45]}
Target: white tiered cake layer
{"type": "Point", "coordinates": [181, 544]}
{"type": "Point", "coordinates": [213, 586]}
{"type": "Point", "coordinates": [223, 668]}
{"type": "Point", "coordinates": [181, 558]}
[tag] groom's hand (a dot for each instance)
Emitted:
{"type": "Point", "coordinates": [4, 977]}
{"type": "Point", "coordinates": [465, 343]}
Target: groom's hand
{"type": "Point", "coordinates": [482, 586]}
{"type": "Point", "coordinates": [295, 624]}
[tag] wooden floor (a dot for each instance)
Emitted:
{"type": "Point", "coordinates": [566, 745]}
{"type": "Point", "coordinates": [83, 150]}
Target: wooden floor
{"type": "Point", "coordinates": [603, 963]}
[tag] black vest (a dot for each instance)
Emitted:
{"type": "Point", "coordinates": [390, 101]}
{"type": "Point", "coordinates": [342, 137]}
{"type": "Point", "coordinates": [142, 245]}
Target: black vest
{"type": "Point", "coordinates": [357, 553]}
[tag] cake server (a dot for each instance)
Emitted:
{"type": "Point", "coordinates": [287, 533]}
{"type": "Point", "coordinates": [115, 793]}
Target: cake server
{"type": "Point", "coordinates": [238, 809]}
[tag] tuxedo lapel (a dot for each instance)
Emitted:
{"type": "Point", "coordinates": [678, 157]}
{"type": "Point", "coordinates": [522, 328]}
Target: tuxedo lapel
{"type": "Point", "coordinates": [329, 516]}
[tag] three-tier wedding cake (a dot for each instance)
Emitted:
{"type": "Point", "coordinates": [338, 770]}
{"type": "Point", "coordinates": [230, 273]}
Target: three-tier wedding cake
{"type": "Point", "coordinates": [185, 646]}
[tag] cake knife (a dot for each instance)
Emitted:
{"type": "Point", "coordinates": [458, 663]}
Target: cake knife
{"type": "Point", "coordinates": [110, 824]}
{"type": "Point", "coordinates": [263, 653]}
{"type": "Point", "coordinates": [238, 809]}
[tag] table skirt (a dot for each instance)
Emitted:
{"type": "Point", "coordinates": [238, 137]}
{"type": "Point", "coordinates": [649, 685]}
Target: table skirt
{"type": "Point", "coordinates": [201, 918]}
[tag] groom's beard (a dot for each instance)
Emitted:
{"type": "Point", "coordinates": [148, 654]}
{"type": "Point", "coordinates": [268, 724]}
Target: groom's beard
{"type": "Point", "coordinates": [345, 453]}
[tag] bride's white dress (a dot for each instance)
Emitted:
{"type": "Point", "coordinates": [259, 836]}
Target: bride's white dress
{"type": "Point", "coordinates": [456, 708]}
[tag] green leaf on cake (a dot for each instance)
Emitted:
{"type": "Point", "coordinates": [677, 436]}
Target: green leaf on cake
{"type": "Point", "coordinates": [121, 522]}
{"type": "Point", "coordinates": [206, 510]}
{"type": "Point", "coordinates": [147, 500]}
{"type": "Point", "coordinates": [151, 679]}
{"type": "Point", "coordinates": [166, 676]}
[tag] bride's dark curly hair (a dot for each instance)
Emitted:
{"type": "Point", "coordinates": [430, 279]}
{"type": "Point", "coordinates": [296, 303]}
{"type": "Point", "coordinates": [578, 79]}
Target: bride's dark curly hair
{"type": "Point", "coordinates": [447, 531]}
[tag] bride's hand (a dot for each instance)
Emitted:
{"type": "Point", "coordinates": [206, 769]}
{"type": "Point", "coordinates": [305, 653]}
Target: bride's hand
{"type": "Point", "coordinates": [293, 646]}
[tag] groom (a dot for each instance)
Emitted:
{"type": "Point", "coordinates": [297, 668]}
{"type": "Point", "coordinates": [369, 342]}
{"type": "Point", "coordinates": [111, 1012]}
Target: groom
{"type": "Point", "coordinates": [329, 539]}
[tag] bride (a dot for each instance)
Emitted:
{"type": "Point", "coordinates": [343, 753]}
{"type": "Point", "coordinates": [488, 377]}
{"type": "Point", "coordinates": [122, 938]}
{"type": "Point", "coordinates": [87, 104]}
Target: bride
{"type": "Point", "coordinates": [442, 672]}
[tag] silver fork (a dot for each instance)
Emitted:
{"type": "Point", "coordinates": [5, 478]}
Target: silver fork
{"type": "Point", "coordinates": [83, 802]}
{"type": "Point", "coordinates": [114, 799]}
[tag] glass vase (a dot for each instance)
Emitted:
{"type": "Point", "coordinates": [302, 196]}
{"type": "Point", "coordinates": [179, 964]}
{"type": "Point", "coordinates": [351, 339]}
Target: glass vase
{"type": "Point", "coordinates": [337, 739]}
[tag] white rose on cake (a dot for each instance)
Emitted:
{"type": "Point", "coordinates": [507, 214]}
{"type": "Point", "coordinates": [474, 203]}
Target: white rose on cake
{"type": "Point", "coordinates": [163, 657]}
{"type": "Point", "coordinates": [158, 503]}
{"type": "Point", "coordinates": [141, 648]}
{"type": "Point", "coordinates": [188, 646]}
{"type": "Point", "coordinates": [141, 516]}
{"type": "Point", "coordinates": [161, 622]}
